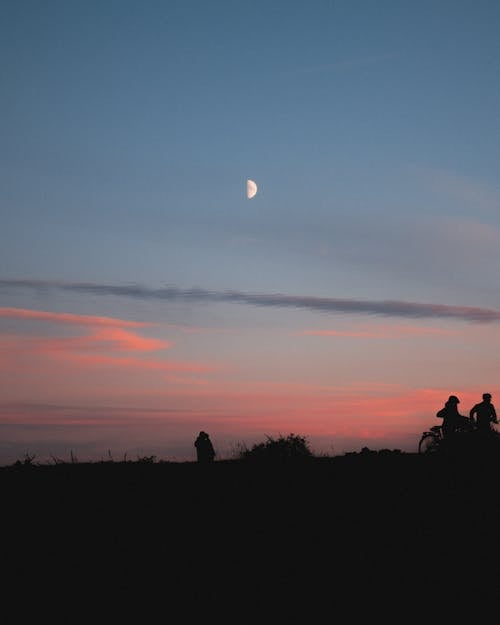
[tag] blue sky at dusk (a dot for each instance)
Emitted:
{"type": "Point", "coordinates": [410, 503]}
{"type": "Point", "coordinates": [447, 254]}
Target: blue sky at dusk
{"type": "Point", "coordinates": [335, 304]}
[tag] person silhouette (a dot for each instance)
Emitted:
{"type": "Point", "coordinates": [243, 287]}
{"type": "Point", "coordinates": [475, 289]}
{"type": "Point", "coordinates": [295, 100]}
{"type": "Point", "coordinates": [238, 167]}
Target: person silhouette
{"type": "Point", "coordinates": [485, 414]}
{"type": "Point", "coordinates": [452, 419]}
{"type": "Point", "coordinates": [204, 449]}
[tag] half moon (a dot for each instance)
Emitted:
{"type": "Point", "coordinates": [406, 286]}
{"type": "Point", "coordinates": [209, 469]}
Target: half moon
{"type": "Point", "coordinates": [251, 189]}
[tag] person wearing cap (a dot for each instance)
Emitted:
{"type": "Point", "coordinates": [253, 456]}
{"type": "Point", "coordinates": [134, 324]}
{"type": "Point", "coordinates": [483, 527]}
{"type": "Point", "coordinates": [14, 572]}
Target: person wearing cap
{"type": "Point", "coordinates": [485, 414]}
{"type": "Point", "coordinates": [452, 419]}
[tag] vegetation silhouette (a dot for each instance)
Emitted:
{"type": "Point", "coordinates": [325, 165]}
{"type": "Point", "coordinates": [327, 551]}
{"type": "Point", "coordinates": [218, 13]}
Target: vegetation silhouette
{"type": "Point", "coordinates": [27, 461]}
{"type": "Point", "coordinates": [283, 448]}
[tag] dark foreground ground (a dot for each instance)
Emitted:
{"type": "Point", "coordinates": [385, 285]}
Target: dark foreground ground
{"type": "Point", "coordinates": [354, 539]}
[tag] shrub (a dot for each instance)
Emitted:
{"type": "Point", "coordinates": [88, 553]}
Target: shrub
{"type": "Point", "coordinates": [146, 459]}
{"type": "Point", "coordinates": [27, 461]}
{"type": "Point", "coordinates": [291, 447]}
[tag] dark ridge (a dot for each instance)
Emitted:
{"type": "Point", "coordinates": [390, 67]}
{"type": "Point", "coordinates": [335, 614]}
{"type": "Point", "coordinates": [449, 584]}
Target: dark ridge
{"type": "Point", "coordinates": [369, 537]}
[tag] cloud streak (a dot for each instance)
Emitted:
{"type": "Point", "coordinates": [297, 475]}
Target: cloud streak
{"type": "Point", "coordinates": [328, 305]}
{"type": "Point", "coordinates": [382, 332]}
{"type": "Point", "coordinates": [102, 340]}
{"type": "Point", "coordinates": [102, 360]}
{"type": "Point", "coordinates": [105, 344]}
{"type": "Point", "coordinates": [69, 318]}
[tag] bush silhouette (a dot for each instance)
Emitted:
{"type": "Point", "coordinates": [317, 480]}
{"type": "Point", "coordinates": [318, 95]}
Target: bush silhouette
{"type": "Point", "coordinates": [291, 447]}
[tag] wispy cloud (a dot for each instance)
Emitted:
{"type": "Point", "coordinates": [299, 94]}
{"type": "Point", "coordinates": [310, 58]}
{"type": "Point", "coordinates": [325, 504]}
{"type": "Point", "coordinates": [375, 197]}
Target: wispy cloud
{"type": "Point", "coordinates": [102, 333]}
{"type": "Point", "coordinates": [69, 318]}
{"type": "Point", "coordinates": [328, 305]}
{"type": "Point", "coordinates": [102, 340]}
{"type": "Point", "coordinates": [106, 342]}
{"type": "Point", "coordinates": [129, 362]}
{"type": "Point", "coordinates": [379, 332]}
{"type": "Point", "coordinates": [87, 413]}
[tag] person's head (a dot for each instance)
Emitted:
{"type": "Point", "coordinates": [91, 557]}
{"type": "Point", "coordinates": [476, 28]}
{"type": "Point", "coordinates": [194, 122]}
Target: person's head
{"type": "Point", "coordinates": [453, 400]}
{"type": "Point", "coordinates": [486, 397]}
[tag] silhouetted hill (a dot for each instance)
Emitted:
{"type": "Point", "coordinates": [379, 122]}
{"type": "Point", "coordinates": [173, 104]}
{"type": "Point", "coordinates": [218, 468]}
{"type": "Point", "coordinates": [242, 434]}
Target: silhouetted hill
{"type": "Point", "coordinates": [362, 538]}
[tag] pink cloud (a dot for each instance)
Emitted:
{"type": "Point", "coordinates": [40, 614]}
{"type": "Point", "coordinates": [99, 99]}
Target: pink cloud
{"type": "Point", "coordinates": [106, 340]}
{"type": "Point", "coordinates": [89, 352]}
{"type": "Point", "coordinates": [186, 381]}
{"type": "Point", "coordinates": [97, 360]}
{"type": "Point", "coordinates": [119, 339]}
{"type": "Point", "coordinates": [101, 347]}
{"type": "Point", "coordinates": [68, 318]}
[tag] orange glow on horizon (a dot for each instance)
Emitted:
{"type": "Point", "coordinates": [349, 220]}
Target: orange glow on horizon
{"type": "Point", "coordinates": [105, 372]}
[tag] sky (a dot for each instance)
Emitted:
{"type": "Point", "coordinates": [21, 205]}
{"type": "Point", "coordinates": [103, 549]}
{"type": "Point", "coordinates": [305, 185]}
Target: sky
{"type": "Point", "coordinates": [144, 297]}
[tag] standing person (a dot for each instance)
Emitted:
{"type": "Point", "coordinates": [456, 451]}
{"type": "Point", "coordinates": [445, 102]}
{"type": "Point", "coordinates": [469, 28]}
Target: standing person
{"type": "Point", "coordinates": [452, 419]}
{"type": "Point", "coordinates": [485, 414]}
{"type": "Point", "coordinates": [204, 449]}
